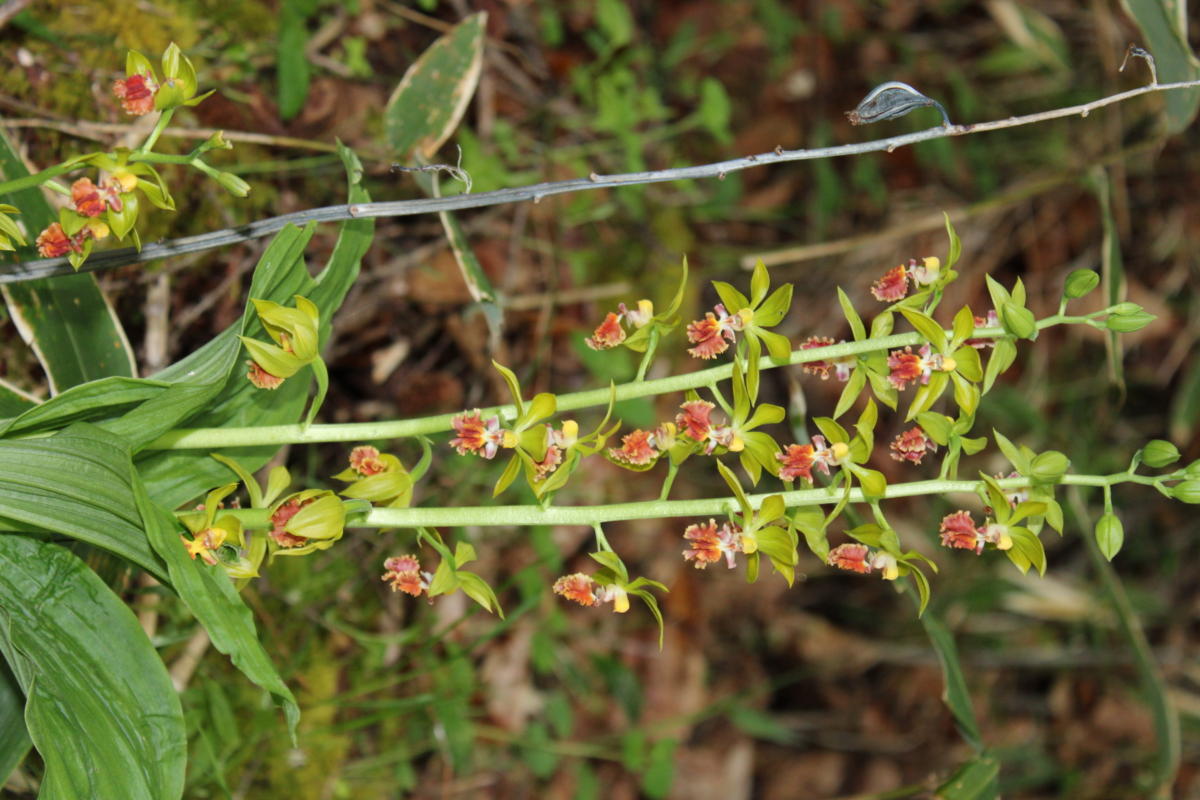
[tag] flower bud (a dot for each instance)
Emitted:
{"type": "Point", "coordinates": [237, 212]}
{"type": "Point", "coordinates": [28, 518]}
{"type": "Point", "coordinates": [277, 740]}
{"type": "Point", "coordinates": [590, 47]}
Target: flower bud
{"type": "Point", "coordinates": [1187, 491]}
{"type": "Point", "coordinates": [1159, 453]}
{"type": "Point", "coordinates": [307, 521]}
{"type": "Point", "coordinates": [233, 184]}
{"type": "Point", "coordinates": [1019, 321]}
{"type": "Point", "coordinates": [1049, 467]}
{"type": "Point", "coordinates": [1080, 282]}
{"type": "Point", "coordinates": [1110, 535]}
{"type": "Point", "coordinates": [1127, 323]}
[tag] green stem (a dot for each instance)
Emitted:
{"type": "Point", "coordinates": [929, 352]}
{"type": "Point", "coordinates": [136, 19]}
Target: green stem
{"type": "Point", "coordinates": [485, 516]}
{"type": "Point", "coordinates": [163, 120]}
{"type": "Point", "coordinates": [651, 346]}
{"type": "Point", "coordinates": [214, 438]}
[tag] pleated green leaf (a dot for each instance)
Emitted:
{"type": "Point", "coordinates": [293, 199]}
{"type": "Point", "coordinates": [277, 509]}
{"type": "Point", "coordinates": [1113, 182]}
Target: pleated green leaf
{"type": "Point", "coordinates": [75, 484]}
{"type": "Point", "coordinates": [14, 739]}
{"type": "Point", "coordinates": [100, 707]}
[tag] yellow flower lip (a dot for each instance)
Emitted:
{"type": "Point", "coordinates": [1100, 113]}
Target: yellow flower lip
{"type": "Point", "coordinates": [510, 440]}
{"type": "Point", "coordinates": [621, 602]}
{"type": "Point", "coordinates": [948, 364]}
{"type": "Point", "coordinates": [840, 451]}
{"type": "Point", "coordinates": [127, 180]}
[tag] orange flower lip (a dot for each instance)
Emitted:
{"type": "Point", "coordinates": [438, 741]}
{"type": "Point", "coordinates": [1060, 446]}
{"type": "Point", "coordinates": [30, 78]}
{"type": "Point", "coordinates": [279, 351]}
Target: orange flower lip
{"type": "Point", "coordinates": [912, 445]}
{"type": "Point", "coordinates": [636, 448]}
{"type": "Point", "coordinates": [365, 460]}
{"type": "Point", "coordinates": [892, 286]}
{"type": "Point", "coordinates": [136, 94]}
{"type": "Point", "coordinates": [578, 588]}
{"type": "Point", "coordinates": [958, 530]}
{"type": "Point", "coordinates": [608, 334]}
{"type": "Point", "coordinates": [851, 557]}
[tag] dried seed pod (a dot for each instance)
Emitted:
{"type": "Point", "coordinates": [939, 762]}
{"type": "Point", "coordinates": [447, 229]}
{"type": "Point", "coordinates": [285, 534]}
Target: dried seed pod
{"type": "Point", "coordinates": [890, 100]}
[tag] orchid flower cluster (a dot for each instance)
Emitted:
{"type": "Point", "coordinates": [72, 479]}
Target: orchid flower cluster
{"type": "Point", "coordinates": [830, 495]}
{"type": "Point", "coordinates": [837, 458]}
{"type": "Point", "coordinates": [110, 201]}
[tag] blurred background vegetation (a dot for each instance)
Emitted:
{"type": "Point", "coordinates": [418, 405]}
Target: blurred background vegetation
{"type": "Point", "coordinates": [830, 689]}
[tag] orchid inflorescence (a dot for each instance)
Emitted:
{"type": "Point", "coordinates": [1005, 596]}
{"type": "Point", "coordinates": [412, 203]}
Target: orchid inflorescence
{"type": "Point", "coordinates": [110, 201]}
{"type": "Point", "coordinates": [829, 467]}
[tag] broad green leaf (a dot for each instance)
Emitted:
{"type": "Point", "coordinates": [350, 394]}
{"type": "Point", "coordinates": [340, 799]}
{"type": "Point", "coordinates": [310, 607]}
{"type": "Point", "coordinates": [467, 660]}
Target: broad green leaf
{"type": "Point", "coordinates": [75, 484]}
{"type": "Point", "coordinates": [431, 98]}
{"type": "Point", "coordinates": [100, 707]}
{"type": "Point", "coordinates": [14, 738]}
{"type": "Point", "coordinates": [14, 401]}
{"type": "Point", "coordinates": [1164, 28]}
{"type": "Point", "coordinates": [92, 401]}
{"type": "Point", "coordinates": [660, 771]}
{"type": "Point", "coordinates": [208, 593]}
{"type": "Point", "coordinates": [66, 320]}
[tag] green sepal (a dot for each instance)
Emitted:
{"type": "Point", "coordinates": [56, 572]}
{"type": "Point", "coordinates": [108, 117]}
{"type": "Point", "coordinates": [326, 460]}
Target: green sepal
{"type": "Point", "coordinates": [733, 300]}
{"type": "Point", "coordinates": [514, 386]}
{"type": "Point", "coordinates": [927, 327]}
